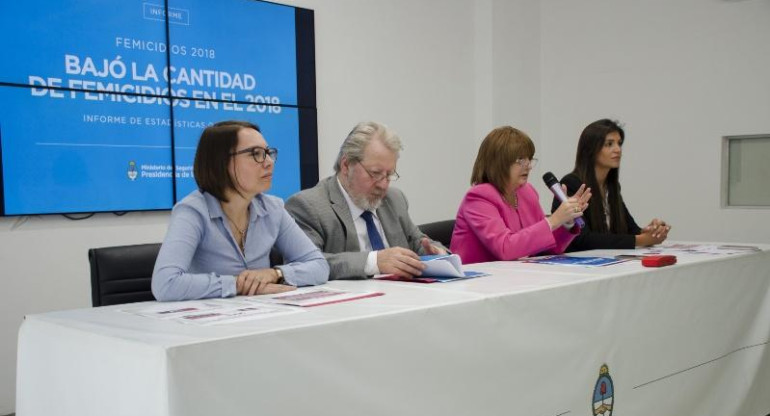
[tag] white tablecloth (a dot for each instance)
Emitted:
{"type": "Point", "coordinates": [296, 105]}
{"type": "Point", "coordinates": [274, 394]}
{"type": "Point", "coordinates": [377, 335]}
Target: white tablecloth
{"type": "Point", "coordinates": [528, 340]}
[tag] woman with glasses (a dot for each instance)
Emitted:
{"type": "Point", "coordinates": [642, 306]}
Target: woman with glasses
{"type": "Point", "coordinates": [608, 222]}
{"type": "Point", "coordinates": [500, 217]}
{"type": "Point", "coordinates": [219, 238]}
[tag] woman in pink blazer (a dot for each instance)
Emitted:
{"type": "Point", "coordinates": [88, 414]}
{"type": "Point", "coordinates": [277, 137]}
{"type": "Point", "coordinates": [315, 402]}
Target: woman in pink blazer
{"type": "Point", "coordinates": [500, 217]}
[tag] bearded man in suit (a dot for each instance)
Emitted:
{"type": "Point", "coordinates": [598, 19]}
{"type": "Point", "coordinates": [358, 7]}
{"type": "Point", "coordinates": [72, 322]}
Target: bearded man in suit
{"type": "Point", "coordinates": [361, 223]}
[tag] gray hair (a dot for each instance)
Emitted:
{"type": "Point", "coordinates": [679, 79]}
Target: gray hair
{"type": "Point", "coordinates": [363, 133]}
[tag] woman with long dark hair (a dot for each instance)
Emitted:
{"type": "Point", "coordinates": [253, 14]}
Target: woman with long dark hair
{"type": "Point", "coordinates": [608, 222]}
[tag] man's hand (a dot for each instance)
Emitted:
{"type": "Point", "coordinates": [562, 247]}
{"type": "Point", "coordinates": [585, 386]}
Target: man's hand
{"type": "Point", "coordinates": [430, 249]}
{"type": "Point", "coordinates": [399, 261]}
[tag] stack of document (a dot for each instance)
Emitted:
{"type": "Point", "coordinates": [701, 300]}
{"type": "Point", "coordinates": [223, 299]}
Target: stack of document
{"type": "Point", "coordinates": [564, 260]}
{"type": "Point", "coordinates": [244, 308]}
{"type": "Point", "coordinates": [208, 312]}
{"type": "Point", "coordinates": [438, 269]}
{"type": "Point", "coordinates": [314, 296]}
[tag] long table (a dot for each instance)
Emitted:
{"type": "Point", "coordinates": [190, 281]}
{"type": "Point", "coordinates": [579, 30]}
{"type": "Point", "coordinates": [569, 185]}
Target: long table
{"type": "Point", "coordinates": [530, 339]}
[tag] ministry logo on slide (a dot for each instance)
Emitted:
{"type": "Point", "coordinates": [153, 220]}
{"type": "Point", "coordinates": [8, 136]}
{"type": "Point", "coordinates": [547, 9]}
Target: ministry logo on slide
{"type": "Point", "coordinates": [132, 174]}
{"type": "Point", "coordinates": [603, 397]}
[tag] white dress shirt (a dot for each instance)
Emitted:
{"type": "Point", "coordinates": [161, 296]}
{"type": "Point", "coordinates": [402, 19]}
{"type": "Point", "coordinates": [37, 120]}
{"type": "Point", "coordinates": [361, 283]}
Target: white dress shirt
{"type": "Point", "coordinates": [363, 236]}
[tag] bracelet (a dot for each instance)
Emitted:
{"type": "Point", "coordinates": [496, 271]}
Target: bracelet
{"type": "Point", "coordinates": [279, 272]}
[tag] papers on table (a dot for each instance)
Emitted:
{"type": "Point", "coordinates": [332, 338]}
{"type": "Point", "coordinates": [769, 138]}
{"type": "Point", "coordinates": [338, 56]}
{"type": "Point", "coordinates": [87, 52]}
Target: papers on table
{"type": "Point", "coordinates": [245, 312]}
{"type": "Point", "coordinates": [438, 268]}
{"type": "Point", "coordinates": [709, 249]}
{"type": "Point", "coordinates": [313, 296]}
{"type": "Point", "coordinates": [575, 260]}
{"type": "Point", "coordinates": [171, 310]}
{"type": "Point", "coordinates": [207, 312]}
{"type": "Point", "coordinates": [221, 311]}
{"type": "Point", "coordinates": [448, 265]}
{"type": "Point", "coordinates": [429, 279]}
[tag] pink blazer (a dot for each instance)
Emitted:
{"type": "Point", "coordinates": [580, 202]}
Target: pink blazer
{"type": "Point", "coordinates": [488, 229]}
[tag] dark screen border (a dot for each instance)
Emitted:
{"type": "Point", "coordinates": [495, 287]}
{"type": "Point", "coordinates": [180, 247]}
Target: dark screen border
{"type": "Point", "coordinates": [2, 185]}
{"type": "Point", "coordinates": [308, 147]}
{"type": "Point", "coordinates": [304, 26]}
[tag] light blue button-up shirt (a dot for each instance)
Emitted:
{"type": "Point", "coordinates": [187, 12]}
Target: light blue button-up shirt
{"type": "Point", "coordinates": [200, 258]}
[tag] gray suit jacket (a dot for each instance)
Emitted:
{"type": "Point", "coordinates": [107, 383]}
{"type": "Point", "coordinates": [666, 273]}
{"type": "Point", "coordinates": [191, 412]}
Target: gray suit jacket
{"type": "Point", "coordinates": [323, 214]}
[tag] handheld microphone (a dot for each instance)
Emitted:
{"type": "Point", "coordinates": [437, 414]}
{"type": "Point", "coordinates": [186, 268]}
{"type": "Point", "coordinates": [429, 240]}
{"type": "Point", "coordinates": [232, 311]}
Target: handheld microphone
{"type": "Point", "coordinates": [553, 184]}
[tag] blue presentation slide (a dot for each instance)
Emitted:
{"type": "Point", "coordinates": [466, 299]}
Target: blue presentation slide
{"type": "Point", "coordinates": [279, 126]}
{"type": "Point", "coordinates": [77, 44]}
{"type": "Point", "coordinates": [234, 50]}
{"type": "Point", "coordinates": [76, 155]}
{"type": "Point", "coordinates": [243, 52]}
{"type": "Point", "coordinates": [97, 98]}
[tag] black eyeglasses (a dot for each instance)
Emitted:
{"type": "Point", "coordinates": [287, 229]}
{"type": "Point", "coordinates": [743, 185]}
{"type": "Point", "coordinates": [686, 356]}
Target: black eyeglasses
{"type": "Point", "coordinates": [259, 153]}
{"type": "Point", "coordinates": [392, 176]}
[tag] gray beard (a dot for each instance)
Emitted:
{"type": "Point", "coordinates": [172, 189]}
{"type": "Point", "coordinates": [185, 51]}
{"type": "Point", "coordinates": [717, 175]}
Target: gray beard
{"type": "Point", "coordinates": [365, 204]}
{"type": "Point", "coordinates": [361, 201]}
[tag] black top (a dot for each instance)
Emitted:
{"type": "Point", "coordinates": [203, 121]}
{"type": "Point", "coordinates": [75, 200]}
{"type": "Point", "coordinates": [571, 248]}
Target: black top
{"type": "Point", "coordinates": [589, 240]}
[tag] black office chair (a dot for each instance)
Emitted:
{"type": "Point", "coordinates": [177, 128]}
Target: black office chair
{"type": "Point", "coordinates": [440, 231]}
{"type": "Point", "coordinates": [122, 274]}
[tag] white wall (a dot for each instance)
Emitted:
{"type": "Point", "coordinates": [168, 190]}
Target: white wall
{"type": "Point", "coordinates": [680, 73]}
{"type": "Point", "coordinates": [516, 67]}
{"type": "Point", "coordinates": [409, 64]}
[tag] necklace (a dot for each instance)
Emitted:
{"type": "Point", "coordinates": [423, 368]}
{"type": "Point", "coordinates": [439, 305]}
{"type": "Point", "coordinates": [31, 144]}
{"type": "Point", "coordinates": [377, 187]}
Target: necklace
{"type": "Point", "coordinates": [241, 232]}
{"type": "Point", "coordinates": [513, 200]}
{"type": "Point", "coordinates": [606, 207]}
